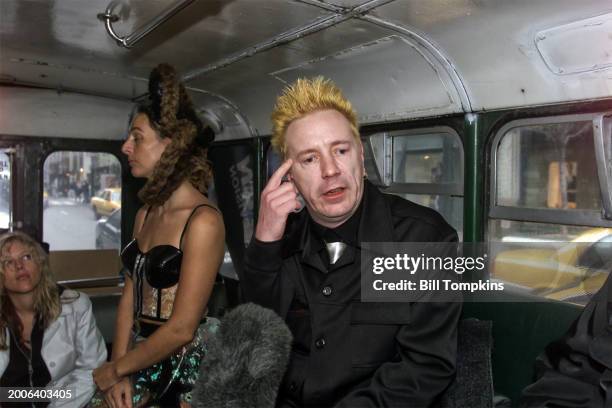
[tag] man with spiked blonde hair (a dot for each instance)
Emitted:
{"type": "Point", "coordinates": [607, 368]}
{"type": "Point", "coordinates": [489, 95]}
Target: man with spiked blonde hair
{"type": "Point", "coordinates": [306, 266]}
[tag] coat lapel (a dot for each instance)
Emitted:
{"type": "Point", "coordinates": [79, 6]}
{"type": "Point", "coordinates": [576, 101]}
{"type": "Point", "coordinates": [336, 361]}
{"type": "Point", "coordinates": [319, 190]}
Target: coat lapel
{"type": "Point", "coordinates": [301, 242]}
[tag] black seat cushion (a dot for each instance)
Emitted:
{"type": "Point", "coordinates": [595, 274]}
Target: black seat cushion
{"type": "Point", "coordinates": [473, 385]}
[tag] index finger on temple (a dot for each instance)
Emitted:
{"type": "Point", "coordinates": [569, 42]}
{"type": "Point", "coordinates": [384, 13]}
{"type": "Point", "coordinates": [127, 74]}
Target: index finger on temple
{"type": "Point", "coordinates": [278, 175]}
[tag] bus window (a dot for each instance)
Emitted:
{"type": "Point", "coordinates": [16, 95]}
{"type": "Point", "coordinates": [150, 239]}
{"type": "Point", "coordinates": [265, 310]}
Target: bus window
{"type": "Point", "coordinates": [548, 166]}
{"type": "Point", "coordinates": [81, 187]}
{"type": "Point", "coordinates": [545, 218]}
{"type": "Point", "coordinates": [82, 212]}
{"type": "Point", "coordinates": [429, 158]}
{"type": "Point", "coordinates": [426, 166]}
{"type": "Point", "coordinates": [5, 190]}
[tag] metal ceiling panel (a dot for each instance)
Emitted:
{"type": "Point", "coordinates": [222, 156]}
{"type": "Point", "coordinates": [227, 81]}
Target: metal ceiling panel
{"type": "Point", "coordinates": [562, 47]}
{"type": "Point", "coordinates": [241, 75]}
{"type": "Point", "coordinates": [483, 53]}
{"type": "Point", "coordinates": [345, 3]}
{"type": "Point", "coordinates": [250, 84]}
{"type": "Point", "coordinates": [67, 35]}
{"type": "Point", "coordinates": [429, 16]}
{"type": "Point", "coordinates": [409, 83]}
{"type": "Point", "coordinates": [492, 45]}
{"type": "Point", "coordinates": [406, 84]}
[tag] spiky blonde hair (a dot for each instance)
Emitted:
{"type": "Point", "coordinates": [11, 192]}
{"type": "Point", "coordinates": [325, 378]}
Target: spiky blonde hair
{"type": "Point", "coordinates": [306, 96]}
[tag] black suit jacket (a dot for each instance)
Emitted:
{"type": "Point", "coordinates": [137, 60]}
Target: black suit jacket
{"type": "Point", "coordinates": [362, 354]}
{"type": "Point", "coordinates": [576, 371]}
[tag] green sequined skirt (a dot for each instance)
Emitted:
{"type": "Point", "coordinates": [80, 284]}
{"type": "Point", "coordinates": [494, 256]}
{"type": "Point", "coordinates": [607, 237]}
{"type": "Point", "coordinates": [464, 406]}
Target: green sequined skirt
{"type": "Point", "coordinates": [173, 378]}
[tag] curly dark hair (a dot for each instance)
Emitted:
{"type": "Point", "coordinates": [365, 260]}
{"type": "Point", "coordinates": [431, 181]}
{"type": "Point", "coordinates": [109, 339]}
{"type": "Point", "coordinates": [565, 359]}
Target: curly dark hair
{"type": "Point", "coordinates": [171, 113]}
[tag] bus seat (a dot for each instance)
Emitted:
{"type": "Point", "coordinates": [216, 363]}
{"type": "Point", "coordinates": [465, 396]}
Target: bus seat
{"type": "Point", "coordinates": [105, 312]}
{"type": "Point", "coordinates": [84, 264]}
{"type": "Point", "coordinates": [473, 385]}
{"type": "Point", "coordinates": [521, 330]}
{"type": "Point", "coordinates": [218, 304]}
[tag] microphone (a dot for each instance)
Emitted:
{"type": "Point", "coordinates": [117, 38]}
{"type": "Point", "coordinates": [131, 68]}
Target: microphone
{"type": "Point", "coordinates": [246, 360]}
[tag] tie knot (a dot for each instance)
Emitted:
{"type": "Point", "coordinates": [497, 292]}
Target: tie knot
{"type": "Point", "coordinates": [335, 251]}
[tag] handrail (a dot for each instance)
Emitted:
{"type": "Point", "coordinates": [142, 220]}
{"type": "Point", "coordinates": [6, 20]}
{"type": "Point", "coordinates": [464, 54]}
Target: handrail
{"type": "Point", "coordinates": [92, 282]}
{"type": "Point", "coordinates": [128, 41]}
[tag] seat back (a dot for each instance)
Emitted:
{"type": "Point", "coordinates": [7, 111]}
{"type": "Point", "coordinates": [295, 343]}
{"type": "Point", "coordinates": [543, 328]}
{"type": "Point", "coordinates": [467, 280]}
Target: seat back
{"type": "Point", "coordinates": [521, 331]}
{"type": "Point", "coordinates": [473, 384]}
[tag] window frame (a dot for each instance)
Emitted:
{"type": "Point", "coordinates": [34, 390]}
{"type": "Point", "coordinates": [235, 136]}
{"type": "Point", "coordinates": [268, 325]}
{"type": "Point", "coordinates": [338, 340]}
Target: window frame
{"type": "Point", "coordinates": [71, 145]}
{"type": "Point", "coordinates": [590, 218]}
{"type": "Point", "coordinates": [9, 150]}
{"type": "Point", "coordinates": [381, 173]}
{"type": "Point", "coordinates": [447, 189]}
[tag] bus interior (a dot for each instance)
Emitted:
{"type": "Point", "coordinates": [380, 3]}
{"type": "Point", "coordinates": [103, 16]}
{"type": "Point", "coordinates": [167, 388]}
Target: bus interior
{"type": "Point", "coordinates": [495, 113]}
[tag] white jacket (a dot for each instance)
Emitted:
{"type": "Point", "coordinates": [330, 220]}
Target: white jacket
{"type": "Point", "coordinates": [72, 347]}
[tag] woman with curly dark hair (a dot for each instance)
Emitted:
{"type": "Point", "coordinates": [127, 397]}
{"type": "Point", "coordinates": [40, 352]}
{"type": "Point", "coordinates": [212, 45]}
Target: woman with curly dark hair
{"type": "Point", "coordinates": [172, 261]}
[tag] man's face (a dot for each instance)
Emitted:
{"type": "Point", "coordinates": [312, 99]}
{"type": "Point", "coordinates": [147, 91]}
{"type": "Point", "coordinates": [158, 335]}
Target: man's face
{"type": "Point", "coordinates": [328, 165]}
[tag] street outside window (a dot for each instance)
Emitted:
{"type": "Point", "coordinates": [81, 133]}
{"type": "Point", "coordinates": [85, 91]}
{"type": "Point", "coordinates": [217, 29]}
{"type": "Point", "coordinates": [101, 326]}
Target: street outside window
{"type": "Point", "coordinates": [82, 201]}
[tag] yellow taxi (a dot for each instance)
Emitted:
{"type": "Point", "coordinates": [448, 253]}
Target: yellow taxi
{"type": "Point", "coordinates": [105, 202]}
{"type": "Point", "coordinates": [568, 271]}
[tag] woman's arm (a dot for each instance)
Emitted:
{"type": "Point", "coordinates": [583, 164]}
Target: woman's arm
{"type": "Point", "coordinates": [124, 322]}
{"type": "Point", "coordinates": [125, 310]}
{"type": "Point", "coordinates": [203, 248]}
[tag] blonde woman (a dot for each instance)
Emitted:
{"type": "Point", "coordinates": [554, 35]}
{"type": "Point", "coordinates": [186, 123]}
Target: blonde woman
{"type": "Point", "coordinates": [48, 335]}
{"type": "Point", "coordinates": [178, 245]}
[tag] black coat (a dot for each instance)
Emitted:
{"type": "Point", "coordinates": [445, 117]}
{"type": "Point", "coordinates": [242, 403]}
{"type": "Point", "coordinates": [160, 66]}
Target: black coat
{"type": "Point", "coordinates": [362, 354]}
{"type": "Point", "coordinates": [576, 371]}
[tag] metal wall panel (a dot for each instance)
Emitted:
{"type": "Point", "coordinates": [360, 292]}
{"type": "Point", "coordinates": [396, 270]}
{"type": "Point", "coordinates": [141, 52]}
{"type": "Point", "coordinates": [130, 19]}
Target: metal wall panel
{"type": "Point", "coordinates": [36, 112]}
{"type": "Point", "coordinates": [492, 44]}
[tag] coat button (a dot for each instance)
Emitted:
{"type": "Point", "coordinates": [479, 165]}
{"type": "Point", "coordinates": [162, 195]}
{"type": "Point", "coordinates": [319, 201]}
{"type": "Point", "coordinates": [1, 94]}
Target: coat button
{"type": "Point", "coordinates": [292, 386]}
{"type": "Point", "coordinates": [327, 290]}
{"type": "Point", "coordinates": [52, 364]}
{"type": "Point", "coordinates": [320, 343]}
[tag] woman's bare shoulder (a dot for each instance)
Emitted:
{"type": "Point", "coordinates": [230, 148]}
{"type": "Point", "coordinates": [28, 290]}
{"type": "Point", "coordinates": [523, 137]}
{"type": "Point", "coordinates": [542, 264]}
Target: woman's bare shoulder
{"type": "Point", "coordinates": [205, 221]}
{"type": "Point", "coordinates": [208, 214]}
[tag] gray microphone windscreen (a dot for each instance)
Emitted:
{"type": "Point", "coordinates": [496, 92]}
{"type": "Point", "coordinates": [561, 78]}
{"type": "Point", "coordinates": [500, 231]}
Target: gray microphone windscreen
{"type": "Point", "coordinates": [246, 360]}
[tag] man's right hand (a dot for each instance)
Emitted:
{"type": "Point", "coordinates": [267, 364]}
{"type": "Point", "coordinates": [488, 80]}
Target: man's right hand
{"type": "Point", "coordinates": [278, 199]}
